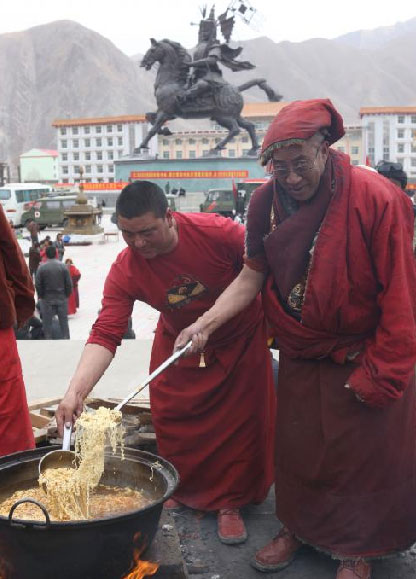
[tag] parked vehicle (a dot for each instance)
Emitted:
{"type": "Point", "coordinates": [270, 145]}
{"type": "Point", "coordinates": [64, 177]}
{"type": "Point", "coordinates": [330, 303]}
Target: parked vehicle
{"type": "Point", "coordinates": [228, 202]}
{"type": "Point", "coordinates": [17, 198]}
{"type": "Point", "coordinates": [49, 211]}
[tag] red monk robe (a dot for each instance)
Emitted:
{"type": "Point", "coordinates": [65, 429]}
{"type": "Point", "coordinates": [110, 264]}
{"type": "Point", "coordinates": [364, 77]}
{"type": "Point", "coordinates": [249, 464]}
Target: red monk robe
{"type": "Point", "coordinates": [16, 306]}
{"type": "Point", "coordinates": [73, 300]}
{"type": "Point", "coordinates": [346, 469]}
{"type": "Point", "coordinates": [215, 424]}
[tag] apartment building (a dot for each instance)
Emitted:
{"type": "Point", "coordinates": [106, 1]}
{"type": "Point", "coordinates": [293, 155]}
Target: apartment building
{"type": "Point", "coordinates": [95, 143]}
{"type": "Point", "coordinates": [389, 133]}
{"type": "Point", "coordinates": [39, 165]}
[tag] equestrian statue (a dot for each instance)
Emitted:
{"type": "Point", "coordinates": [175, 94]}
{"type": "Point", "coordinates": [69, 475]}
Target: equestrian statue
{"type": "Point", "coordinates": [194, 88]}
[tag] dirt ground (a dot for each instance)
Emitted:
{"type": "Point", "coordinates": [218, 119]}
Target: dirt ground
{"type": "Point", "coordinates": [207, 558]}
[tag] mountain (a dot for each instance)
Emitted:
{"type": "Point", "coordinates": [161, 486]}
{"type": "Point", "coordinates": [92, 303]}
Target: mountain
{"type": "Point", "coordinates": [63, 69]}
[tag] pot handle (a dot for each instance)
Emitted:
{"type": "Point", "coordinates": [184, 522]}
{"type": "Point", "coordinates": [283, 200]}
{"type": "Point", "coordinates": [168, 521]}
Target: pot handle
{"type": "Point", "coordinates": [30, 524]}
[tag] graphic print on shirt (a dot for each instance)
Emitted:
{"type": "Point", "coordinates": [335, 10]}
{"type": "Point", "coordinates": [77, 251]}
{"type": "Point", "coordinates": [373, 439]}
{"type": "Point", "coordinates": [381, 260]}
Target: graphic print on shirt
{"type": "Point", "coordinates": [185, 288]}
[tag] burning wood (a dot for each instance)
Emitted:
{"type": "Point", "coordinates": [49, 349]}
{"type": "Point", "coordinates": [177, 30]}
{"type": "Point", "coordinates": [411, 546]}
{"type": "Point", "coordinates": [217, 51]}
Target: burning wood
{"type": "Point", "coordinates": [141, 568]}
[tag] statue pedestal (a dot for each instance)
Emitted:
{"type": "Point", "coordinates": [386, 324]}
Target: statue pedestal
{"type": "Point", "coordinates": [82, 217]}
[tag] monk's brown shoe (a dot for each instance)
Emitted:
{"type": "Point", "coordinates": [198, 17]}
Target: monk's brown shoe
{"type": "Point", "coordinates": [277, 554]}
{"type": "Point", "coordinates": [354, 570]}
{"type": "Point", "coordinates": [231, 528]}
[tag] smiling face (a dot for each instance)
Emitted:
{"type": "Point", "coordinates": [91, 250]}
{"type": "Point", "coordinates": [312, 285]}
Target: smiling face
{"type": "Point", "coordinates": [148, 235]}
{"type": "Point", "coordinates": [298, 168]}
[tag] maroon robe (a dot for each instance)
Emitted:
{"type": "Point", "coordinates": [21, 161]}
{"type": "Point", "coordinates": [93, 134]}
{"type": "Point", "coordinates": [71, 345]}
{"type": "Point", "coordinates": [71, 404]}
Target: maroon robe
{"type": "Point", "coordinates": [215, 424]}
{"type": "Point", "coordinates": [346, 469]}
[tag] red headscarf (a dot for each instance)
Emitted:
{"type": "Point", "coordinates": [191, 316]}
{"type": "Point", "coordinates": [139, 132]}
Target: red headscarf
{"type": "Point", "coordinates": [300, 120]}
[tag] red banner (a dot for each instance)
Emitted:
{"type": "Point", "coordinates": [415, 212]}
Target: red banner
{"type": "Point", "coordinates": [188, 174]}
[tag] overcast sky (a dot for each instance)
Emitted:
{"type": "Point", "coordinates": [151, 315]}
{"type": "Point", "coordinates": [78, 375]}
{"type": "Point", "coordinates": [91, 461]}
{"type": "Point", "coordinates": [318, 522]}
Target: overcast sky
{"type": "Point", "coordinates": [130, 23]}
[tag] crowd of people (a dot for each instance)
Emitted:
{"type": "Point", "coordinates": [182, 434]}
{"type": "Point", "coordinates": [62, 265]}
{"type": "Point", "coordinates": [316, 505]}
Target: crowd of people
{"type": "Point", "coordinates": [325, 268]}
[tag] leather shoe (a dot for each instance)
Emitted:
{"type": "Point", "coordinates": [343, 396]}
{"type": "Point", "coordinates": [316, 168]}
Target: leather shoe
{"type": "Point", "coordinates": [277, 554]}
{"type": "Point", "coordinates": [354, 570]}
{"type": "Point", "coordinates": [171, 504]}
{"type": "Point", "coordinates": [231, 528]}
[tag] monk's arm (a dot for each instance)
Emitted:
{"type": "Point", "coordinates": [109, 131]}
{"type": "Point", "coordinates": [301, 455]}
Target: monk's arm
{"type": "Point", "coordinates": [94, 361]}
{"type": "Point", "coordinates": [239, 294]}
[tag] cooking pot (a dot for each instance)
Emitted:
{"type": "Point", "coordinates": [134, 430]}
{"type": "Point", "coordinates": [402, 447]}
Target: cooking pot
{"type": "Point", "coordinates": [94, 549]}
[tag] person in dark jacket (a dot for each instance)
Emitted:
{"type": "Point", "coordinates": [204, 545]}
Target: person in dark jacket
{"type": "Point", "coordinates": [54, 286]}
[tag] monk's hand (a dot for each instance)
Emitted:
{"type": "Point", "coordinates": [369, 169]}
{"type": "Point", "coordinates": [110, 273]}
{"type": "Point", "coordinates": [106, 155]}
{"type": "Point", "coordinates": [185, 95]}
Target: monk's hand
{"type": "Point", "coordinates": [68, 410]}
{"type": "Point", "coordinates": [197, 333]}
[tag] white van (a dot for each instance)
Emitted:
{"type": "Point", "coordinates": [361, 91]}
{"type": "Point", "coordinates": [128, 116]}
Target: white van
{"type": "Point", "coordinates": [18, 197]}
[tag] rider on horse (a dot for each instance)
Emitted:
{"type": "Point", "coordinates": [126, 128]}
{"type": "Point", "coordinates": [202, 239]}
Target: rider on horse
{"type": "Point", "coordinates": [207, 75]}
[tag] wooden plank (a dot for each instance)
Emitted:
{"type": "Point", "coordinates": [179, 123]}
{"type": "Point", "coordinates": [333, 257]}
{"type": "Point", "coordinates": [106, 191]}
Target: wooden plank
{"type": "Point", "coordinates": [40, 434]}
{"type": "Point", "coordinates": [48, 411]}
{"type": "Point", "coordinates": [43, 402]}
{"type": "Point", "coordinates": [39, 421]}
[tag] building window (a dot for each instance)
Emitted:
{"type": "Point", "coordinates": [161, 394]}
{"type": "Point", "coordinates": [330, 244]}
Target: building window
{"type": "Point", "coordinates": [109, 128]}
{"type": "Point", "coordinates": [75, 130]}
{"type": "Point", "coordinates": [354, 150]}
{"type": "Point", "coordinates": [119, 141]}
{"type": "Point", "coordinates": [355, 162]}
{"type": "Point", "coordinates": [100, 169]}
{"type": "Point", "coordinates": [64, 144]}
{"type": "Point", "coordinates": [65, 170]}
{"type": "Point", "coordinates": [244, 139]}
{"type": "Point", "coordinates": [75, 143]}
{"type": "Point", "coordinates": [178, 154]}
{"type": "Point", "coordinates": [191, 141]}
{"type": "Point", "coordinates": [400, 119]}
{"type": "Point", "coordinates": [111, 168]}
{"type": "Point", "coordinates": [100, 180]}
{"type": "Point", "coordinates": [245, 151]}
{"type": "Point", "coordinates": [87, 156]}
{"type": "Point", "coordinates": [110, 155]}
{"type": "Point", "coordinates": [178, 141]}
{"type": "Point", "coordinates": [109, 141]}
{"type": "Point", "coordinates": [400, 147]}
{"type": "Point", "coordinates": [231, 152]}
{"type": "Point", "coordinates": [413, 119]}
{"type": "Point", "coordinates": [87, 142]}
{"type": "Point", "coordinates": [166, 155]}
{"type": "Point", "coordinates": [76, 168]}
{"type": "Point", "coordinates": [341, 149]}
{"type": "Point", "coordinates": [400, 133]}
{"type": "Point", "coordinates": [88, 169]}
{"type": "Point", "coordinates": [64, 180]}
{"type": "Point", "coordinates": [75, 157]}
{"type": "Point", "coordinates": [119, 128]}
{"type": "Point", "coordinates": [413, 148]}
{"type": "Point", "coordinates": [63, 131]}
{"type": "Point", "coordinates": [64, 156]}
{"type": "Point", "coordinates": [192, 154]}
{"type": "Point", "coordinates": [98, 142]}
{"type": "Point", "coordinates": [165, 142]}
{"type": "Point", "coordinates": [98, 129]}
{"type": "Point", "coordinates": [205, 141]}
{"type": "Point", "coordinates": [86, 130]}
{"type": "Point", "coordinates": [205, 152]}
{"type": "Point", "coordinates": [111, 179]}
{"type": "Point", "coordinates": [413, 161]}
{"type": "Point", "coordinates": [217, 140]}
{"type": "Point", "coordinates": [99, 155]}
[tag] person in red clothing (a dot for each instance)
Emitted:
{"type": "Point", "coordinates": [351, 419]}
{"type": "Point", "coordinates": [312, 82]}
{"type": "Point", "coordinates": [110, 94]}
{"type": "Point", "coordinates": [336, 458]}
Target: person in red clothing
{"type": "Point", "coordinates": [73, 300]}
{"type": "Point", "coordinates": [333, 244]}
{"type": "Point", "coordinates": [213, 414]}
{"type": "Point", "coordinates": [17, 304]}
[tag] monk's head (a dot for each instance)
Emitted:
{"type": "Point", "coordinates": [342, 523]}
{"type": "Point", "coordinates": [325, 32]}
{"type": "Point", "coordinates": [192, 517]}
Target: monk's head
{"type": "Point", "coordinates": [297, 145]}
{"type": "Point", "coordinates": [145, 220]}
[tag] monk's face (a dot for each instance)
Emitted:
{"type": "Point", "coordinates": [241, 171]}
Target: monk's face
{"type": "Point", "coordinates": [299, 168]}
{"type": "Point", "coordinates": [148, 235]}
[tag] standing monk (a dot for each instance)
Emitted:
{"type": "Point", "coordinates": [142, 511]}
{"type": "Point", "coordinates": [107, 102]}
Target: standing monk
{"type": "Point", "coordinates": [213, 414]}
{"type": "Point", "coordinates": [333, 244]}
{"type": "Point", "coordinates": [17, 304]}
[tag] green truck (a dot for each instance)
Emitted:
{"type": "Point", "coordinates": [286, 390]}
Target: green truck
{"type": "Point", "coordinates": [229, 202]}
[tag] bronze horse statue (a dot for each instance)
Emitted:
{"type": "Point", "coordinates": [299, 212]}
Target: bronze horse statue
{"type": "Point", "coordinates": [223, 106]}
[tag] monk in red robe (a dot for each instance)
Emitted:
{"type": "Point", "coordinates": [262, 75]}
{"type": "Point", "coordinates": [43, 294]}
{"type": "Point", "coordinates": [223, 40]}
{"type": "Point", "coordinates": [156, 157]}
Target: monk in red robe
{"type": "Point", "coordinates": [73, 300]}
{"type": "Point", "coordinates": [213, 414]}
{"type": "Point", "coordinates": [330, 244]}
{"type": "Point", "coordinates": [17, 304]}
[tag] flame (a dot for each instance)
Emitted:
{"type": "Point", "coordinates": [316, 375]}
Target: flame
{"type": "Point", "coordinates": [141, 568]}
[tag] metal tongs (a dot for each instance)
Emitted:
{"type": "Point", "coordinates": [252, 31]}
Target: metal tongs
{"type": "Point", "coordinates": [153, 375]}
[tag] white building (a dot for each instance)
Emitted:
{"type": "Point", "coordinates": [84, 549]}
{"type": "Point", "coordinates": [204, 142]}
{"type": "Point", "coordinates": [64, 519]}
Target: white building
{"type": "Point", "coordinates": [95, 143]}
{"type": "Point", "coordinates": [389, 133]}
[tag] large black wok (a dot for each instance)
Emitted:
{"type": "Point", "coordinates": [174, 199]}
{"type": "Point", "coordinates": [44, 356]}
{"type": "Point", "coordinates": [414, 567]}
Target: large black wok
{"type": "Point", "coordinates": [97, 549]}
